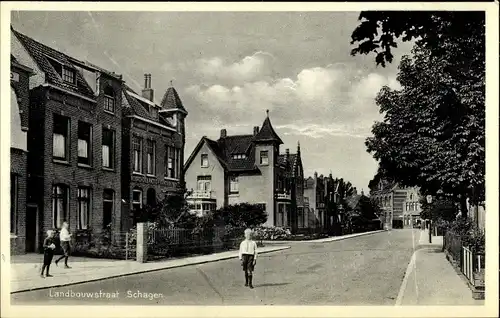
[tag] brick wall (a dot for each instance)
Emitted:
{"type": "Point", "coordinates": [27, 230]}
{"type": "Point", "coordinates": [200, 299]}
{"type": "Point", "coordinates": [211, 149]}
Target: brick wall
{"type": "Point", "coordinates": [46, 173]}
{"type": "Point", "coordinates": [157, 182]}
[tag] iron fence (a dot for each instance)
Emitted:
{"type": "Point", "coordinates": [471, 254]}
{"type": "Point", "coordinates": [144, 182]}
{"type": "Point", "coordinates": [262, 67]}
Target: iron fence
{"type": "Point", "coordinates": [469, 261]}
{"type": "Point", "coordinates": [167, 242]}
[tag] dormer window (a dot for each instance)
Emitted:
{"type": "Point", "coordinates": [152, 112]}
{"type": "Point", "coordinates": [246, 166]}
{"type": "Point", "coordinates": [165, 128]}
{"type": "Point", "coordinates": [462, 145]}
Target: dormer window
{"type": "Point", "coordinates": [153, 111]}
{"type": "Point", "coordinates": [109, 99]}
{"type": "Point", "coordinates": [68, 75]}
{"type": "Point", "coordinates": [239, 156]}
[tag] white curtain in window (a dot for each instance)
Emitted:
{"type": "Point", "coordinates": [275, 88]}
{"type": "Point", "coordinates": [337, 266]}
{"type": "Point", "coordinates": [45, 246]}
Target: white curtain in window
{"type": "Point", "coordinates": [105, 155]}
{"type": "Point", "coordinates": [59, 146]}
{"type": "Point", "coordinates": [82, 148]}
{"type": "Point", "coordinates": [150, 164]}
{"type": "Point", "coordinates": [136, 161]}
{"type": "Point", "coordinates": [84, 212]}
{"type": "Point", "coordinates": [60, 211]}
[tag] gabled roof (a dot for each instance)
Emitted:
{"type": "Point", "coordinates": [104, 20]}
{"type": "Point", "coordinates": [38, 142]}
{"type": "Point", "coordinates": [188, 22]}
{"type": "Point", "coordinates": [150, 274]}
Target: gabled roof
{"type": "Point", "coordinates": [267, 133]}
{"type": "Point", "coordinates": [171, 100]}
{"type": "Point", "coordinates": [353, 200]}
{"type": "Point", "coordinates": [45, 57]}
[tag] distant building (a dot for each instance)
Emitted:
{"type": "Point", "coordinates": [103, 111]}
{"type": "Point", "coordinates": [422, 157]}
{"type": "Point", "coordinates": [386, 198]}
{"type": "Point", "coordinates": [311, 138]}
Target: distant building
{"type": "Point", "coordinates": [247, 168]}
{"type": "Point", "coordinates": [315, 196]}
{"type": "Point", "coordinates": [400, 205]}
{"type": "Point", "coordinates": [19, 115]}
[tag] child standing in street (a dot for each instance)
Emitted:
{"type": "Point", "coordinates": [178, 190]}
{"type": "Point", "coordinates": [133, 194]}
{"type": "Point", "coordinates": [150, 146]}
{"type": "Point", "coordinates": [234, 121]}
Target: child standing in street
{"type": "Point", "coordinates": [65, 238]}
{"type": "Point", "coordinates": [248, 256]}
{"type": "Point", "coordinates": [48, 252]}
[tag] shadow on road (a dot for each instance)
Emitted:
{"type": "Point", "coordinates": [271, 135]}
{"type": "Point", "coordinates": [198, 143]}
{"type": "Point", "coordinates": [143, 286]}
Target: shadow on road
{"type": "Point", "coordinates": [272, 284]}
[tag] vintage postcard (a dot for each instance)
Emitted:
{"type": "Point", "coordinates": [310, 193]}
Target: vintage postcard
{"type": "Point", "coordinates": [288, 159]}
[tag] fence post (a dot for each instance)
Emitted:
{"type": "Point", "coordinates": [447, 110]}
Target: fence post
{"type": "Point", "coordinates": [142, 243]}
{"type": "Point", "coordinates": [126, 246]}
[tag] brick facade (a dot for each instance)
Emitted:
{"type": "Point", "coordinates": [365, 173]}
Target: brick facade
{"type": "Point", "coordinates": [20, 75]}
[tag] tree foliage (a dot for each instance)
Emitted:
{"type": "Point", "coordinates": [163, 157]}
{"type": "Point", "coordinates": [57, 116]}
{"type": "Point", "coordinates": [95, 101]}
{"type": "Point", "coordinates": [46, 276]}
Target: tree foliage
{"type": "Point", "coordinates": [433, 132]}
{"type": "Point", "coordinates": [442, 208]}
{"type": "Point", "coordinates": [241, 215]}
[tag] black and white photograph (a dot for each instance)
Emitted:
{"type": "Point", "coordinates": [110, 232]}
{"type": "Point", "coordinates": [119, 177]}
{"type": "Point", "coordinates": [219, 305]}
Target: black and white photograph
{"type": "Point", "coordinates": [250, 158]}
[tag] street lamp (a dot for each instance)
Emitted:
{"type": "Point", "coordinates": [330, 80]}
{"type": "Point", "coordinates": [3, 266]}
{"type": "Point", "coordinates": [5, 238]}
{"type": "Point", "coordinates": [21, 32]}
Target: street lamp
{"type": "Point", "coordinates": [429, 201]}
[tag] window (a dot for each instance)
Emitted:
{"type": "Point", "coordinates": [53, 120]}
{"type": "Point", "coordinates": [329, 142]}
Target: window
{"type": "Point", "coordinates": [173, 161]}
{"type": "Point", "coordinates": [109, 99]}
{"type": "Point", "coordinates": [264, 157]}
{"type": "Point", "coordinates": [108, 148]}
{"type": "Point", "coordinates": [60, 137]}
{"type": "Point", "coordinates": [281, 215]}
{"type": "Point", "coordinates": [204, 160]}
{"type": "Point", "coordinates": [137, 153]}
{"type": "Point", "coordinates": [239, 156]}
{"type": "Point", "coordinates": [84, 143]}
{"type": "Point", "coordinates": [13, 201]}
{"type": "Point", "coordinates": [136, 199]}
{"type": "Point", "coordinates": [83, 208]}
{"type": "Point", "coordinates": [68, 75]}
{"type": "Point", "coordinates": [233, 185]}
{"type": "Point", "coordinates": [204, 183]}
{"type": "Point", "coordinates": [407, 206]}
{"type": "Point", "coordinates": [150, 157]}
{"type": "Point", "coordinates": [59, 204]}
{"type": "Point", "coordinates": [107, 207]}
{"type": "Point", "coordinates": [153, 111]}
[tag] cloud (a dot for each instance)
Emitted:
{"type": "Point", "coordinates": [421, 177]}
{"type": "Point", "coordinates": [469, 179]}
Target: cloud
{"type": "Point", "coordinates": [250, 68]}
{"type": "Point", "coordinates": [320, 101]}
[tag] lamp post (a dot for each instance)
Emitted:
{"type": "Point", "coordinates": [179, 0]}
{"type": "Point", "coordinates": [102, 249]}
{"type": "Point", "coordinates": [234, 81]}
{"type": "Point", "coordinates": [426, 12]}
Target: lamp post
{"type": "Point", "coordinates": [429, 201]}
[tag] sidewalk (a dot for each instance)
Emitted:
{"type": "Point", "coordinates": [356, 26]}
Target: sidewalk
{"type": "Point", "coordinates": [25, 269]}
{"type": "Point", "coordinates": [324, 240]}
{"type": "Point", "coordinates": [431, 280]}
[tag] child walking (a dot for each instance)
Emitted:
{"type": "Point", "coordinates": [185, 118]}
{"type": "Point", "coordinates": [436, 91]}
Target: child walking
{"type": "Point", "coordinates": [48, 252]}
{"type": "Point", "coordinates": [248, 256]}
{"type": "Point", "coordinates": [64, 237]}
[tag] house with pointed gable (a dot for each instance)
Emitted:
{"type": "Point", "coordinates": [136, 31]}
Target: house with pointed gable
{"type": "Point", "coordinates": [152, 147]}
{"type": "Point", "coordinates": [247, 169]}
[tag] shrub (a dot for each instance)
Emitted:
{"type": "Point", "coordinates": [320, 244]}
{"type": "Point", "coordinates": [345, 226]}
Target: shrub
{"type": "Point", "coordinates": [271, 233]}
{"type": "Point", "coordinates": [241, 215]}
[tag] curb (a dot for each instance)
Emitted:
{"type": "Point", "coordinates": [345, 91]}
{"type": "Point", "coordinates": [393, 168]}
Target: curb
{"type": "Point", "coordinates": [275, 249]}
{"type": "Point", "coordinates": [326, 240]}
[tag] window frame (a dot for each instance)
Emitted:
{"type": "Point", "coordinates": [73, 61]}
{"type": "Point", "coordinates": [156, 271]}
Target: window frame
{"type": "Point", "coordinates": [140, 201]}
{"type": "Point", "coordinates": [137, 159]}
{"type": "Point", "coordinates": [57, 220]}
{"type": "Point", "coordinates": [82, 199]}
{"type": "Point", "coordinates": [150, 157]}
{"type": "Point", "coordinates": [266, 153]}
{"type": "Point", "coordinates": [67, 135]}
{"type": "Point", "coordinates": [104, 201]}
{"type": "Point", "coordinates": [204, 156]}
{"type": "Point", "coordinates": [233, 180]}
{"type": "Point", "coordinates": [89, 144]}
{"type": "Point", "coordinates": [111, 151]}
{"type": "Point", "coordinates": [65, 74]}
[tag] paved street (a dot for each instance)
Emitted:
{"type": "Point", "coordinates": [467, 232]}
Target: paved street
{"type": "Point", "coordinates": [366, 270]}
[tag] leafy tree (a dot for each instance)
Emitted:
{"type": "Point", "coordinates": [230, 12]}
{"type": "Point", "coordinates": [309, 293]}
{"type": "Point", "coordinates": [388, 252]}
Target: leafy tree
{"type": "Point", "coordinates": [241, 215]}
{"type": "Point", "coordinates": [440, 209]}
{"type": "Point", "coordinates": [433, 132]}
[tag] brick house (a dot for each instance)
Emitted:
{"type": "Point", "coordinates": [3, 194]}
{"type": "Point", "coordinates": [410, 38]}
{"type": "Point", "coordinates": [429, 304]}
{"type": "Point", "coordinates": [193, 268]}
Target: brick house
{"type": "Point", "coordinates": [152, 147]}
{"type": "Point", "coordinates": [314, 192]}
{"type": "Point", "coordinates": [247, 168]}
{"type": "Point", "coordinates": [74, 161]}
{"type": "Point", "coordinates": [19, 111]}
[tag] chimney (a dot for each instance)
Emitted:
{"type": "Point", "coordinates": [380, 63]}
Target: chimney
{"type": "Point", "coordinates": [148, 92]}
{"type": "Point", "coordinates": [355, 191]}
{"type": "Point", "coordinates": [255, 130]}
{"type": "Point", "coordinates": [223, 133]}
{"type": "Point", "coordinates": [315, 175]}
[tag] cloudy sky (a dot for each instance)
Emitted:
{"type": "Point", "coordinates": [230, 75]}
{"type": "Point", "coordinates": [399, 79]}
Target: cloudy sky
{"type": "Point", "coordinates": [230, 67]}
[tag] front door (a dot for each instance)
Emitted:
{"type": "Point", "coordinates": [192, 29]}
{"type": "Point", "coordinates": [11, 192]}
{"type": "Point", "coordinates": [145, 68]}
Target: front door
{"type": "Point", "coordinates": [31, 228]}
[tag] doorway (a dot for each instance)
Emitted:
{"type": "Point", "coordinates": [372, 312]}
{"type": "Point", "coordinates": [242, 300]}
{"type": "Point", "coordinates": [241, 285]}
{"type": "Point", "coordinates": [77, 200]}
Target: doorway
{"type": "Point", "coordinates": [32, 230]}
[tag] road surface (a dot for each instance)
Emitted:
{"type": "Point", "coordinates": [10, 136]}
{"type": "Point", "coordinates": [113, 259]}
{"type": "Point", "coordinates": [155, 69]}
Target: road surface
{"type": "Point", "coordinates": [365, 270]}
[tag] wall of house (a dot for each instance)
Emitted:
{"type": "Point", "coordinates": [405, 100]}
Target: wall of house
{"type": "Point", "coordinates": [18, 166]}
{"type": "Point", "coordinates": [70, 173]}
{"type": "Point", "coordinates": [214, 169]}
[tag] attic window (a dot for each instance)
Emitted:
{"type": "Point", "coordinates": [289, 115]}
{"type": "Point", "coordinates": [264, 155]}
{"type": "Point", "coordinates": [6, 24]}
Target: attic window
{"type": "Point", "coordinates": [153, 111]}
{"type": "Point", "coordinates": [239, 156]}
{"type": "Point", "coordinates": [68, 75]}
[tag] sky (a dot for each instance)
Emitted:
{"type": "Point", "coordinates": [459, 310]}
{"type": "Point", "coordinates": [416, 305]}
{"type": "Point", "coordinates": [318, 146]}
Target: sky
{"type": "Point", "coordinates": [230, 67]}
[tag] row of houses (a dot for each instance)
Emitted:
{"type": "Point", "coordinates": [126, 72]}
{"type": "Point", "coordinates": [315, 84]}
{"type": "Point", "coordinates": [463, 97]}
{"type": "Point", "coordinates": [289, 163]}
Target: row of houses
{"type": "Point", "coordinates": [85, 147]}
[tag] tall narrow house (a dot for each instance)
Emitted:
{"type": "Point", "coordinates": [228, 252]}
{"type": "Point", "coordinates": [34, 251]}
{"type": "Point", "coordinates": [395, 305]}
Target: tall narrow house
{"type": "Point", "coordinates": [247, 169]}
{"type": "Point", "coordinates": [152, 148]}
{"type": "Point", "coordinates": [75, 133]}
